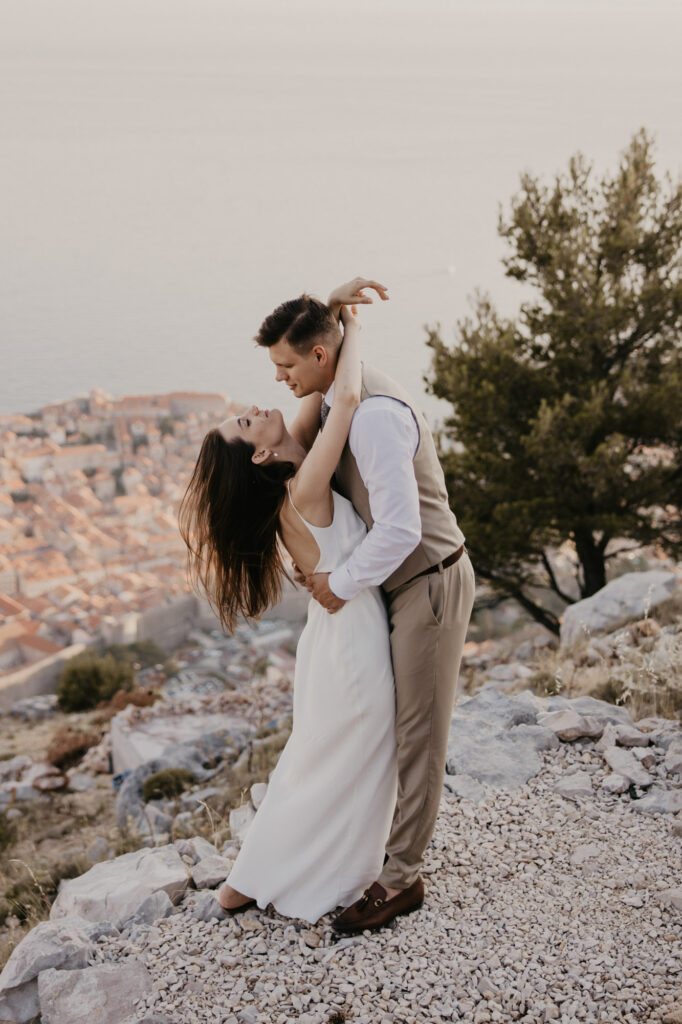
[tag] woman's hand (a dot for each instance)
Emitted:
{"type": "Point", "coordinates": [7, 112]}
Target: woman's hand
{"type": "Point", "coordinates": [348, 319]}
{"type": "Point", "coordinates": [352, 294]}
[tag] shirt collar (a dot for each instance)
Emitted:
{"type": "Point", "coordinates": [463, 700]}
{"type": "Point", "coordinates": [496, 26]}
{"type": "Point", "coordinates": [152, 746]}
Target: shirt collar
{"type": "Point", "coordinates": [329, 397]}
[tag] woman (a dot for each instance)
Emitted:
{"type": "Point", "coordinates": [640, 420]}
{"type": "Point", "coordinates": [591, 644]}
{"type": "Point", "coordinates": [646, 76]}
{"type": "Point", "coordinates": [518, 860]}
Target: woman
{"type": "Point", "coordinates": [318, 838]}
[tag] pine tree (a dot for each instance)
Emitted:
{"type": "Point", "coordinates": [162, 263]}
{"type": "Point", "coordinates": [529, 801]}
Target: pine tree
{"type": "Point", "coordinates": [567, 421]}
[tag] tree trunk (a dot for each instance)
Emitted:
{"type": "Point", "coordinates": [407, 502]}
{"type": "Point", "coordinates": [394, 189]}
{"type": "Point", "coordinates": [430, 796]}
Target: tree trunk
{"type": "Point", "coordinates": [591, 557]}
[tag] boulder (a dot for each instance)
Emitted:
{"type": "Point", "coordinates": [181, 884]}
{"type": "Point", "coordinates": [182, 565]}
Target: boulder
{"type": "Point", "coordinates": [106, 993]}
{"type": "Point", "coordinates": [14, 767]}
{"type": "Point", "coordinates": [196, 848]}
{"type": "Point", "coordinates": [673, 758]}
{"type": "Point", "coordinates": [625, 763]}
{"type": "Point", "coordinates": [631, 736]}
{"type": "Point", "coordinates": [659, 801]}
{"type": "Point", "coordinates": [203, 906]}
{"type": "Point", "coordinates": [258, 791]}
{"type": "Point", "coordinates": [627, 597]}
{"type": "Point", "coordinates": [240, 821]}
{"type": "Point", "coordinates": [114, 890]}
{"type": "Point", "coordinates": [155, 907]}
{"type": "Point", "coordinates": [645, 755]}
{"type": "Point", "coordinates": [493, 758]}
{"type": "Point", "coordinates": [569, 725]}
{"type": "Point", "coordinates": [211, 871]}
{"type": "Point", "coordinates": [494, 738]}
{"type": "Point", "coordinates": [599, 709]}
{"type": "Point", "coordinates": [615, 783]}
{"type": "Point", "coordinates": [465, 787]}
{"type": "Point", "coordinates": [50, 944]}
{"type": "Point", "coordinates": [576, 786]}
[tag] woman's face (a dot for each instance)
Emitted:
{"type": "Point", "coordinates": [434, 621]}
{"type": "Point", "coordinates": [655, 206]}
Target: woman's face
{"type": "Point", "coordinates": [263, 428]}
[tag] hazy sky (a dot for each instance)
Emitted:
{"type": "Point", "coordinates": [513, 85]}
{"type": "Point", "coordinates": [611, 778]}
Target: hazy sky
{"type": "Point", "coordinates": [172, 169]}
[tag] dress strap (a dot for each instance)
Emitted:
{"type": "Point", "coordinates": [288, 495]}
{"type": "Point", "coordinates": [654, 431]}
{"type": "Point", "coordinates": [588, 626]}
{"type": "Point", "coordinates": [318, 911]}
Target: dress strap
{"type": "Point", "coordinates": [291, 501]}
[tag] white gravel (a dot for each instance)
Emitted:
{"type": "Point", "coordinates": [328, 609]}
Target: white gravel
{"type": "Point", "coordinates": [539, 908]}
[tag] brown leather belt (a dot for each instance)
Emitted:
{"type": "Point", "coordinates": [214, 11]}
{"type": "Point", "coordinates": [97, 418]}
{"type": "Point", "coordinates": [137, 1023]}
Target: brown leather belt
{"type": "Point", "coordinates": [439, 566]}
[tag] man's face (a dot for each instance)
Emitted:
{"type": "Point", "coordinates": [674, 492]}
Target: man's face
{"type": "Point", "coordinates": [304, 373]}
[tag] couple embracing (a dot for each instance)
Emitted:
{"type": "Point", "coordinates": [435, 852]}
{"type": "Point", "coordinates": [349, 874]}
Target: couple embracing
{"type": "Point", "coordinates": [354, 491]}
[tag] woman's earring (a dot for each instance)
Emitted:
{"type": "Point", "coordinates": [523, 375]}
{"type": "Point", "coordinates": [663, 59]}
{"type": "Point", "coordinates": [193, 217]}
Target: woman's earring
{"type": "Point", "coordinates": [276, 454]}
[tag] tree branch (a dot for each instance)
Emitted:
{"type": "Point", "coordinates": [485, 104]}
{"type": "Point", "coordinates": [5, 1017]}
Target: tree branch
{"type": "Point", "coordinates": [555, 586]}
{"type": "Point", "coordinates": [513, 590]}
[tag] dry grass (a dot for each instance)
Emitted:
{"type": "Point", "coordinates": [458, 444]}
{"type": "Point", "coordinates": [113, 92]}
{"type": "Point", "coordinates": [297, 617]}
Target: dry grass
{"type": "Point", "coordinates": [641, 671]}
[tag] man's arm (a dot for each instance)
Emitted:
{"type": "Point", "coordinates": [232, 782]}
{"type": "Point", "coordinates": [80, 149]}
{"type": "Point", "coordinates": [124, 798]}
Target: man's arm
{"type": "Point", "coordinates": [383, 439]}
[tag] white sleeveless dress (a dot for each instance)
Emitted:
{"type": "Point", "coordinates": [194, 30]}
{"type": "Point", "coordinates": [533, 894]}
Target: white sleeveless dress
{"type": "Point", "coordinates": [318, 837]}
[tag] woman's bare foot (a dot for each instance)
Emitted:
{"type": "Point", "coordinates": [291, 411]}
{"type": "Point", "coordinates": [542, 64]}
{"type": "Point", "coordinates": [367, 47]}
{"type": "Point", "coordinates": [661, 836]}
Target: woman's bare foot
{"type": "Point", "coordinates": [231, 899]}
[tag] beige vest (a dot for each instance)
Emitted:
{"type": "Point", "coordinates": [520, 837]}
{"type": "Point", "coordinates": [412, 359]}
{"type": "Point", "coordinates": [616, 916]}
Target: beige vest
{"type": "Point", "coordinates": [440, 532]}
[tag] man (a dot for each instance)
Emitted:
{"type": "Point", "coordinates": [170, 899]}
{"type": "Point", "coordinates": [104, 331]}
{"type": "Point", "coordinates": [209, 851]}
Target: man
{"type": "Point", "coordinates": [414, 549]}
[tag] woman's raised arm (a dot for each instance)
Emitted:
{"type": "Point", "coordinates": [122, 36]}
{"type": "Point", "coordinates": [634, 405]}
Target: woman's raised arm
{"type": "Point", "coordinates": [305, 427]}
{"type": "Point", "coordinates": [310, 486]}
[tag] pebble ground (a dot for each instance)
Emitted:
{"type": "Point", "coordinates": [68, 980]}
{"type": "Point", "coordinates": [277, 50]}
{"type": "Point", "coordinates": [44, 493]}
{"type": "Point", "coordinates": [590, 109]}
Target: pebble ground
{"type": "Point", "coordinates": [538, 908]}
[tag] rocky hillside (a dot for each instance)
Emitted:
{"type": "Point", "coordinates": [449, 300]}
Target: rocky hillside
{"type": "Point", "coordinates": [553, 879]}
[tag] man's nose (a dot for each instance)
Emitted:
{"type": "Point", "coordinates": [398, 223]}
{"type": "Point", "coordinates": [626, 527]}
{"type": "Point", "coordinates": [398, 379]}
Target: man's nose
{"type": "Point", "coordinates": [280, 375]}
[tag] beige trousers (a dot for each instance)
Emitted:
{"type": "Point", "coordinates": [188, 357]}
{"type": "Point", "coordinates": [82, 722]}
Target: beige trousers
{"type": "Point", "coordinates": [428, 620]}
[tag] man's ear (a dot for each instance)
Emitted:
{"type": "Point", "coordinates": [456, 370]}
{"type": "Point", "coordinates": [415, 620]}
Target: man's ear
{"type": "Point", "coordinates": [261, 457]}
{"type": "Point", "coordinates": [320, 355]}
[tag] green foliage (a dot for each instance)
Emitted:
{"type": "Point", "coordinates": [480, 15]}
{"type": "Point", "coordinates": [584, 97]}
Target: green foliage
{"type": "Point", "coordinates": [167, 784]}
{"type": "Point", "coordinates": [565, 422]}
{"type": "Point", "coordinates": [167, 425]}
{"type": "Point", "coordinates": [88, 679]}
{"type": "Point", "coordinates": [142, 652]}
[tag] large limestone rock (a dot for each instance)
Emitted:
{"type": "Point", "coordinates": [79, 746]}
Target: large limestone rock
{"type": "Point", "coordinates": [465, 787]}
{"type": "Point", "coordinates": [50, 944]}
{"type": "Point", "coordinates": [673, 758]}
{"type": "Point", "coordinates": [576, 786]}
{"type": "Point", "coordinates": [494, 738]}
{"type": "Point", "coordinates": [105, 994]}
{"type": "Point", "coordinates": [114, 890]}
{"type": "Point", "coordinates": [625, 763]}
{"type": "Point", "coordinates": [659, 801]}
{"type": "Point", "coordinates": [211, 871]}
{"type": "Point", "coordinates": [240, 821]}
{"type": "Point", "coordinates": [604, 712]}
{"type": "Point", "coordinates": [569, 725]}
{"type": "Point", "coordinates": [627, 597]}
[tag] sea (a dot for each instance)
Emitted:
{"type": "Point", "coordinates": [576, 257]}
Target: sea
{"type": "Point", "coordinates": [171, 170]}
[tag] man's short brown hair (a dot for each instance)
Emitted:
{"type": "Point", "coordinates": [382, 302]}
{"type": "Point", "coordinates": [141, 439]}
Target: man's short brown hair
{"type": "Point", "coordinates": [300, 321]}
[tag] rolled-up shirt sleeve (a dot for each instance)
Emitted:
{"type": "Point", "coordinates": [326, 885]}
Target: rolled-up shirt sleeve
{"type": "Point", "coordinates": [383, 439]}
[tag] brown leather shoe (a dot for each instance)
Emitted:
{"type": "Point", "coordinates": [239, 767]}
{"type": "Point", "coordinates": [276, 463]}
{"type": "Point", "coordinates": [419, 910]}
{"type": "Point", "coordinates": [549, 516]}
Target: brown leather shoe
{"type": "Point", "coordinates": [373, 910]}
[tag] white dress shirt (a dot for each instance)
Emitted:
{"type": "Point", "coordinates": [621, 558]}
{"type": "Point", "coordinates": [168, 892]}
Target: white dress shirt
{"type": "Point", "coordinates": [383, 438]}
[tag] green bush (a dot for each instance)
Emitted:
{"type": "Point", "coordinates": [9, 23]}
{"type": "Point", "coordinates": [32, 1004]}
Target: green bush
{"type": "Point", "coordinates": [143, 653]}
{"type": "Point", "coordinates": [167, 784]}
{"type": "Point", "coordinates": [89, 679]}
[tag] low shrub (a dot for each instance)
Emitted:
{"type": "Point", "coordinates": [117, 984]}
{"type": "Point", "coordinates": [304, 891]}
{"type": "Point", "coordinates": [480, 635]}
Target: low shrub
{"type": "Point", "coordinates": [167, 784]}
{"type": "Point", "coordinates": [144, 653]}
{"type": "Point", "coordinates": [68, 747]}
{"type": "Point", "coordinates": [89, 679]}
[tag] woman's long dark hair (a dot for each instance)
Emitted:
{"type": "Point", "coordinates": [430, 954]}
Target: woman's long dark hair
{"type": "Point", "coordinates": [229, 519]}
